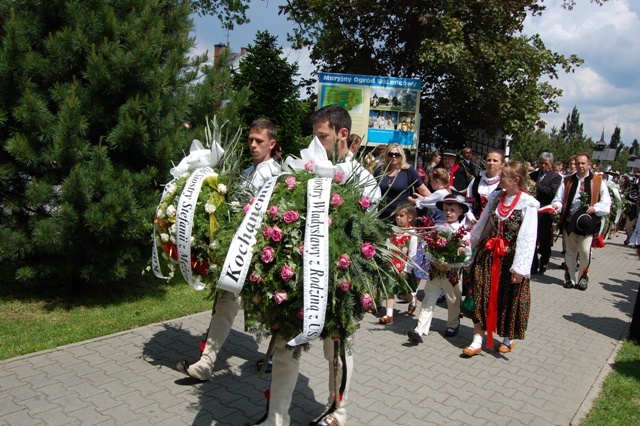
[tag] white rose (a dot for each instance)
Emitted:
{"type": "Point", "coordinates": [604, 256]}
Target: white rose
{"type": "Point", "coordinates": [172, 239]}
{"type": "Point", "coordinates": [209, 208]}
{"type": "Point", "coordinates": [213, 245]}
{"type": "Point", "coordinates": [192, 241]}
{"type": "Point", "coordinates": [164, 237]}
{"type": "Point", "coordinates": [222, 188]}
{"type": "Point", "coordinates": [214, 175]}
{"type": "Point", "coordinates": [160, 214]}
{"type": "Point", "coordinates": [172, 229]}
{"type": "Point", "coordinates": [213, 267]}
{"type": "Point", "coordinates": [170, 188]}
{"type": "Point", "coordinates": [184, 175]}
{"type": "Point", "coordinates": [171, 211]}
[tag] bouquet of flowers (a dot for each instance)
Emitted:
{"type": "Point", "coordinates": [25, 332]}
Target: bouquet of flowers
{"type": "Point", "coordinates": [448, 247]}
{"type": "Point", "coordinates": [196, 209]}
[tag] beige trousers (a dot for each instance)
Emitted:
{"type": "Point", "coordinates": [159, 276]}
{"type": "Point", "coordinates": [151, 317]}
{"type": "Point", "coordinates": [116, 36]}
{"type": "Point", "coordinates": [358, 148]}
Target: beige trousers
{"type": "Point", "coordinates": [431, 293]}
{"type": "Point", "coordinates": [577, 245]}
{"type": "Point", "coordinates": [224, 312]}
{"type": "Point", "coordinates": [284, 376]}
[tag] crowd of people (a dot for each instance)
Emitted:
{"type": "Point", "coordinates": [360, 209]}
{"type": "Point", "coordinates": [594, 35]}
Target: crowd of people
{"type": "Point", "coordinates": [504, 217]}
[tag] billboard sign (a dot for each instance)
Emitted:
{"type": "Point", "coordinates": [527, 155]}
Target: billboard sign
{"type": "Point", "coordinates": [383, 109]}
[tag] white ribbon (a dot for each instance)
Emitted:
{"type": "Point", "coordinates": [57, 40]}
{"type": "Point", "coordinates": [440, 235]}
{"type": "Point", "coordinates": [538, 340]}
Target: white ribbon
{"type": "Point", "coordinates": [315, 260]}
{"type": "Point", "coordinates": [184, 222]}
{"type": "Point", "coordinates": [198, 157]}
{"type": "Point", "coordinates": [238, 260]}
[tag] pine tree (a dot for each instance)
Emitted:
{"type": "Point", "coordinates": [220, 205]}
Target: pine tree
{"type": "Point", "coordinates": [93, 100]}
{"type": "Point", "coordinates": [271, 80]}
{"type": "Point", "coordinates": [572, 129]}
{"type": "Point", "coordinates": [616, 140]}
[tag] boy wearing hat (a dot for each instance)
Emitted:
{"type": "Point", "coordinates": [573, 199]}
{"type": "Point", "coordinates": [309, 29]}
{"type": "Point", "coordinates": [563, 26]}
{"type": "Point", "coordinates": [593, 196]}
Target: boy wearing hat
{"type": "Point", "coordinates": [443, 277]}
{"type": "Point", "coordinates": [458, 177]}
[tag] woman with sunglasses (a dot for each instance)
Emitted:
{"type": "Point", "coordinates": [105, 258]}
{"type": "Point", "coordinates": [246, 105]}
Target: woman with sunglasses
{"type": "Point", "coordinates": [398, 182]}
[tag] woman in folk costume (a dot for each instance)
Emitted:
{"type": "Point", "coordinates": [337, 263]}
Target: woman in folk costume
{"type": "Point", "coordinates": [505, 240]}
{"type": "Point", "coordinates": [482, 186]}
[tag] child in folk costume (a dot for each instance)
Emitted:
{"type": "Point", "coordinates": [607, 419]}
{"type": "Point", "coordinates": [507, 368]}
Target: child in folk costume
{"type": "Point", "coordinates": [443, 277]}
{"type": "Point", "coordinates": [406, 244]}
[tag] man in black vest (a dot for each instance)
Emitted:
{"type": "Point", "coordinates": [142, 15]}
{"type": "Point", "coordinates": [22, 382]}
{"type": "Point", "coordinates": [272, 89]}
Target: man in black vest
{"type": "Point", "coordinates": [580, 192]}
{"type": "Point", "coordinates": [547, 183]}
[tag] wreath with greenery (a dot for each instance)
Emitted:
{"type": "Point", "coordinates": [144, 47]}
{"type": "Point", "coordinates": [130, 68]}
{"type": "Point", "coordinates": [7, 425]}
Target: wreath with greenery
{"type": "Point", "coordinates": [361, 257]}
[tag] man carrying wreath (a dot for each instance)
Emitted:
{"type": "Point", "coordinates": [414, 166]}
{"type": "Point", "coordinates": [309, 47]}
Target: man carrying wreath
{"type": "Point", "coordinates": [262, 145]}
{"type": "Point", "coordinates": [331, 126]}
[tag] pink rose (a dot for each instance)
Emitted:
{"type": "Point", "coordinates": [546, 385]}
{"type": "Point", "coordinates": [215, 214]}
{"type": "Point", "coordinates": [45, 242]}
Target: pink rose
{"type": "Point", "coordinates": [441, 242]}
{"type": "Point", "coordinates": [273, 211]}
{"type": "Point", "coordinates": [246, 208]}
{"type": "Point", "coordinates": [276, 234]}
{"type": "Point", "coordinates": [254, 277]}
{"type": "Point", "coordinates": [309, 166]}
{"type": "Point", "coordinates": [291, 182]}
{"type": "Point", "coordinates": [300, 313]}
{"type": "Point", "coordinates": [336, 199]}
{"type": "Point", "coordinates": [329, 221]}
{"type": "Point", "coordinates": [280, 296]}
{"type": "Point", "coordinates": [267, 254]}
{"type": "Point", "coordinates": [368, 250]}
{"type": "Point", "coordinates": [301, 248]}
{"type": "Point", "coordinates": [291, 216]}
{"type": "Point", "coordinates": [346, 285]}
{"type": "Point", "coordinates": [266, 231]}
{"type": "Point", "coordinates": [344, 261]}
{"type": "Point", "coordinates": [338, 176]}
{"type": "Point", "coordinates": [286, 273]}
{"type": "Point", "coordinates": [366, 301]}
{"type": "Point", "coordinates": [365, 202]}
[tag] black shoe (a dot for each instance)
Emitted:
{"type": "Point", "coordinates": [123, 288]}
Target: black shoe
{"type": "Point", "coordinates": [542, 269]}
{"type": "Point", "coordinates": [450, 332]}
{"type": "Point", "coordinates": [568, 282]}
{"type": "Point", "coordinates": [414, 336]}
{"type": "Point", "coordinates": [562, 265]}
{"type": "Point", "coordinates": [583, 283]}
{"type": "Point", "coordinates": [183, 367]}
{"type": "Point", "coordinates": [441, 299]}
{"type": "Point", "coordinates": [625, 242]}
{"type": "Point", "coordinates": [269, 365]}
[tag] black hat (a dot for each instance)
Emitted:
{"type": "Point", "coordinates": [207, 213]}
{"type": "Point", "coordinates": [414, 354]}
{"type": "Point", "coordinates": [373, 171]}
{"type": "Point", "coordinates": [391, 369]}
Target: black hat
{"type": "Point", "coordinates": [453, 199]}
{"type": "Point", "coordinates": [449, 152]}
{"type": "Point", "coordinates": [582, 223]}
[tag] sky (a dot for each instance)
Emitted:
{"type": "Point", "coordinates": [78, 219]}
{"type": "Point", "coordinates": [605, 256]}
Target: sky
{"type": "Point", "coordinates": [605, 89]}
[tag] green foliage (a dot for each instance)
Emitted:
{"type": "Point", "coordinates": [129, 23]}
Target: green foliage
{"type": "Point", "coordinates": [93, 97]}
{"type": "Point", "coordinates": [572, 128]}
{"type": "Point", "coordinates": [274, 93]}
{"type": "Point", "coordinates": [619, 400]}
{"type": "Point", "coordinates": [229, 12]}
{"type": "Point", "coordinates": [477, 70]}
{"type": "Point", "coordinates": [616, 141]}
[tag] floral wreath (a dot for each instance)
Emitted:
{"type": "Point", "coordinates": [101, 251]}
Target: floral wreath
{"type": "Point", "coordinates": [359, 251]}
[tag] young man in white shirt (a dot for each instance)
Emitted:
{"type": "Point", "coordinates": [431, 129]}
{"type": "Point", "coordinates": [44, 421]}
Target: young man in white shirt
{"type": "Point", "coordinates": [263, 146]}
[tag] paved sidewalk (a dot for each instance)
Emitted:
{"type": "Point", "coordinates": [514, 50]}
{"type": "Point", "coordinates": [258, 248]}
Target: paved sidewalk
{"type": "Point", "coordinates": [550, 378]}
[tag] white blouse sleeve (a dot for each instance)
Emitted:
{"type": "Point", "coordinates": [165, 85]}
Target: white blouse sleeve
{"type": "Point", "coordinates": [526, 240]}
{"type": "Point", "coordinates": [413, 250]}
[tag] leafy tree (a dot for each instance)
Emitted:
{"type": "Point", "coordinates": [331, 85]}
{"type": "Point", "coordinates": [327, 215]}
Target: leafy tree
{"type": "Point", "coordinates": [93, 100]}
{"type": "Point", "coordinates": [478, 71]}
{"type": "Point", "coordinates": [229, 12]}
{"type": "Point", "coordinates": [274, 92]}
